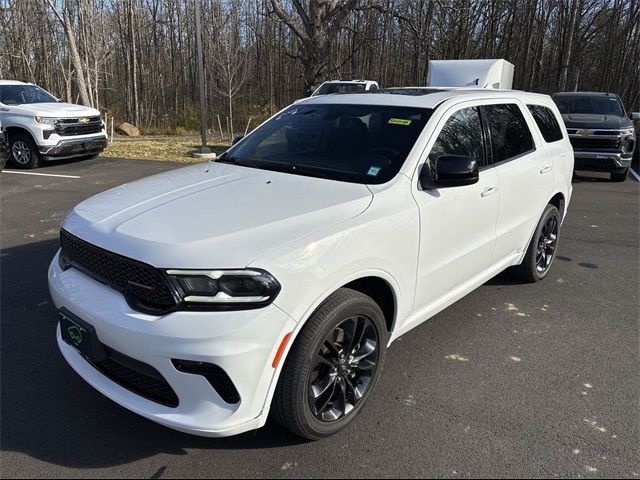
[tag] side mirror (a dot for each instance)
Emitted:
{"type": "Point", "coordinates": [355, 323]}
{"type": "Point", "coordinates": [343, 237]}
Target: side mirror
{"type": "Point", "coordinates": [237, 139]}
{"type": "Point", "coordinates": [450, 171]}
{"type": "Point", "coordinates": [635, 116]}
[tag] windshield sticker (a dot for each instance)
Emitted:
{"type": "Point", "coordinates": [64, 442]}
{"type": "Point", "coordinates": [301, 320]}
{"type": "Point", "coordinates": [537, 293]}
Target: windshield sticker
{"type": "Point", "coordinates": [374, 171]}
{"type": "Point", "coordinates": [400, 121]}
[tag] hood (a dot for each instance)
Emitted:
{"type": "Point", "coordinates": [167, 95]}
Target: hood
{"type": "Point", "coordinates": [595, 122]}
{"type": "Point", "coordinates": [212, 215]}
{"type": "Point", "coordinates": [67, 110]}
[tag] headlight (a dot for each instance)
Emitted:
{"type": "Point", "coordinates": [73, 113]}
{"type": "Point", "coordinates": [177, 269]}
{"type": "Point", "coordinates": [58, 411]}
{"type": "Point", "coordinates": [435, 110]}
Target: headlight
{"type": "Point", "coordinates": [47, 120]}
{"type": "Point", "coordinates": [627, 131]}
{"type": "Point", "coordinates": [226, 289]}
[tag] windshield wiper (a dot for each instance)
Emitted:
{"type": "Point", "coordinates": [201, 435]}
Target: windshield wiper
{"type": "Point", "coordinates": [277, 166]}
{"type": "Point", "coordinates": [237, 161]}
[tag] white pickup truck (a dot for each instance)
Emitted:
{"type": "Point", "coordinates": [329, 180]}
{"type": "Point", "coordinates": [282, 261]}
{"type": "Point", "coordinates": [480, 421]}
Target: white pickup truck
{"type": "Point", "coordinates": [41, 127]}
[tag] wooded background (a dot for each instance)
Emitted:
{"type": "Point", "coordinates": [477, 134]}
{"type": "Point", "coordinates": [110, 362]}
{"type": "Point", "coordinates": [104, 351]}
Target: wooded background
{"type": "Point", "coordinates": [136, 60]}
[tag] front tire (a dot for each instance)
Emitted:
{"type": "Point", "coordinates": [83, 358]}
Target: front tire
{"type": "Point", "coordinates": [333, 366]}
{"type": "Point", "coordinates": [543, 247]}
{"type": "Point", "coordinates": [24, 152]}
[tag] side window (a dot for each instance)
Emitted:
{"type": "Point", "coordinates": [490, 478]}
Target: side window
{"type": "Point", "coordinates": [461, 135]}
{"type": "Point", "coordinates": [510, 133]}
{"type": "Point", "coordinates": [547, 123]}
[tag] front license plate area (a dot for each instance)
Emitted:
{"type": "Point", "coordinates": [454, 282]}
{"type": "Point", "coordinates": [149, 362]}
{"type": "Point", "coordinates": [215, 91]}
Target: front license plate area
{"type": "Point", "coordinates": [81, 336]}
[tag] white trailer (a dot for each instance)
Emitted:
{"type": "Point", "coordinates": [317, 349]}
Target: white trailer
{"type": "Point", "coordinates": [470, 73]}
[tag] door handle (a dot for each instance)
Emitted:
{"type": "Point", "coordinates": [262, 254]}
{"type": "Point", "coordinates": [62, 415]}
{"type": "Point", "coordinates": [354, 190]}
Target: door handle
{"type": "Point", "coordinates": [489, 191]}
{"type": "Point", "coordinates": [546, 169]}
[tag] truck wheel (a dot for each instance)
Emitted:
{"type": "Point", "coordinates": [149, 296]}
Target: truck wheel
{"type": "Point", "coordinates": [543, 247]}
{"type": "Point", "coordinates": [24, 152]}
{"type": "Point", "coordinates": [619, 176]}
{"type": "Point", "coordinates": [332, 367]}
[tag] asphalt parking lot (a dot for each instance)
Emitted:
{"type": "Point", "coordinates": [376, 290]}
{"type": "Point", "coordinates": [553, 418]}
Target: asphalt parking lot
{"type": "Point", "coordinates": [514, 380]}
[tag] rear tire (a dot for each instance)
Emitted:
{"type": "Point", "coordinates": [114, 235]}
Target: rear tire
{"type": "Point", "coordinates": [543, 247]}
{"type": "Point", "coordinates": [322, 386]}
{"type": "Point", "coordinates": [24, 152]}
{"type": "Point", "coordinates": [620, 176]}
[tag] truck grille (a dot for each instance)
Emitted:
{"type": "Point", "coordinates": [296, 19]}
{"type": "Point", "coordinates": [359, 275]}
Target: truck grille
{"type": "Point", "coordinates": [595, 143]}
{"type": "Point", "coordinates": [144, 287]}
{"type": "Point", "coordinates": [71, 127]}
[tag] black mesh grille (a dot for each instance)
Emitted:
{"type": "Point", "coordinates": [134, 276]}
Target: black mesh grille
{"type": "Point", "coordinates": [76, 130]}
{"type": "Point", "coordinates": [156, 389]}
{"type": "Point", "coordinates": [73, 127]}
{"type": "Point", "coordinates": [595, 143]}
{"type": "Point", "coordinates": [145, 283]}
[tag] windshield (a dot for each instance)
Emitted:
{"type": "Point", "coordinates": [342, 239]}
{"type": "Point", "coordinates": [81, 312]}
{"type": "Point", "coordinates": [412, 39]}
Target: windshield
{"type": "Point", "coordinates": [573, 104]}
{"type": "Point", "coordinates": [352, 143]}
{"type": "Point", "coordinates": [329, 88]}
{"type": "Point", "coordinates": [21, 94]}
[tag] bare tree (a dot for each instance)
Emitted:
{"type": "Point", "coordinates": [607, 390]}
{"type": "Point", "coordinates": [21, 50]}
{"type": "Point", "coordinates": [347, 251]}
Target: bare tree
{"type": "Point", "coordinates": [136, 58]}
{"type": "Point", "coordinates": [230, 58]}
{"type": "Point", "coordinates": [64, 17]}
{"type": "Point", "coordinates": [316, 26]}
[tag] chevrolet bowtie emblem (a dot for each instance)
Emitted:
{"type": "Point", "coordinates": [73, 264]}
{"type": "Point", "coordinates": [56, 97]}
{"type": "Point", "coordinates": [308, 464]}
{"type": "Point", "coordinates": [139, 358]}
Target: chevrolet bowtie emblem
{"type": "Point", "coordinates": [84, 120]}
{"type": "Point", "coordinates": [585, 133]}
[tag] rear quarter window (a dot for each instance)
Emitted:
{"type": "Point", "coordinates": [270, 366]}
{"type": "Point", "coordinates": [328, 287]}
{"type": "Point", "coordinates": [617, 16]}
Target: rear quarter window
{"type": "Point", "coordinates": [510, 134]}
{"type": "Point", "coordinates": [547, 123]}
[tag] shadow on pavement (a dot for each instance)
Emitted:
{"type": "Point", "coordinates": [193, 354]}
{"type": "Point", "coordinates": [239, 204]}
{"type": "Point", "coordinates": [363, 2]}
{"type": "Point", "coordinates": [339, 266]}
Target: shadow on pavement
{"type": "Point", "coordinates": [48, 412]}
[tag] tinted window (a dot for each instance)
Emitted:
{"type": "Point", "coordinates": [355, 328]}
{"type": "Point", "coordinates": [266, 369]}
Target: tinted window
{"type": "Point", "coordinates": [510, 133]}
{"type": "Point", "coordinates": [547, 123]}
{"type": "Point", "coordinates": [588, 104]}
{"type": "Point", "coordinates": [22, 94]}
{"type": "Point", "coordinates": [331, 88]}
{"type": "Point", "coordinates": [353, 143]}
{"type": "Point", "coordinates": [461, 135]}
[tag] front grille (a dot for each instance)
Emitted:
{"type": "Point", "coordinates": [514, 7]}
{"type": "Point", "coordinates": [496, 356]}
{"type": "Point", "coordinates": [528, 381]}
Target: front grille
{"type": "Point", "coordinates": [148, 286]}
{"type": "Point", "coordinates": [595, 143]}
{"type": "Point", "coordinates": [153, 388]}
{"type": "Point", "coordinates": [71, 127]}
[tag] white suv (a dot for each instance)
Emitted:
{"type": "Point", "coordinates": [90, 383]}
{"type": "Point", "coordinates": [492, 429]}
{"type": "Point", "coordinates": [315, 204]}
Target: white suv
{"type": "Point", "coordinates": [41, 127]}
{"type": "Point", "coordinates": [276, 277]}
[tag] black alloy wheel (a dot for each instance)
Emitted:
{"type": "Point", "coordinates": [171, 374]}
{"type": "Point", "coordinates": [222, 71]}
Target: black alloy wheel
{"type": "Point", "coordinates": [333, 366]}
{"type": "Point", "coordinates": [343, 368]}
{"type": "Point", "coordinates": [543, 247]}
{"type": "Point", "coordinates": [547, 242]}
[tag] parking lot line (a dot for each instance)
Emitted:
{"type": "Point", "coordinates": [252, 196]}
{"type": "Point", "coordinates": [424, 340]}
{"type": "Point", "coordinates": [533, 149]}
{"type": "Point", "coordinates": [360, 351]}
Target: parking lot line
{"type": "Point", "coordinates": [635, 174]}
{"type": "Point", "coordinates": [41, 174]}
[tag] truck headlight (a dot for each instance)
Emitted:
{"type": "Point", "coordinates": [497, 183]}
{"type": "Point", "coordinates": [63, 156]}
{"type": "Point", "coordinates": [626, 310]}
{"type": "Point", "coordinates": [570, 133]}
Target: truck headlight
{"type": "Point", "coordinates": [47, 120]}
{"type": "Point", "coordinates": [226, 289]}
{"type": "Point", "coordinates": [627, 131]}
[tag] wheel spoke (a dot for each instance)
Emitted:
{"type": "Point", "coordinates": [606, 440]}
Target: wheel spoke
{"type": "Point", "coordinates": [324, 402]}
{"type": "Point", "coordinates": [360, 325]}
{"type": "Point", "coordinates": [366, 350]}
{"type": "Point", "coordinates": [319, 389]}
{"type": "Point", "coordinates": [331, 348]}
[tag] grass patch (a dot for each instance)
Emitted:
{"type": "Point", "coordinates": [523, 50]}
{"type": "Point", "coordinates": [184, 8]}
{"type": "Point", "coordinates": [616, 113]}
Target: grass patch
{"type": "Point", "coordinates": [167, 148]}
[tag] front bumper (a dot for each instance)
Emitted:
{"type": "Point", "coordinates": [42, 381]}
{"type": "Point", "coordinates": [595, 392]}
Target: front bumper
{"type": "Point", "coordinates": [242, 343]}
{"type": "Point", "coordinates": [66, 149]}
{"type": "Point", "coordinates": [602, 161]}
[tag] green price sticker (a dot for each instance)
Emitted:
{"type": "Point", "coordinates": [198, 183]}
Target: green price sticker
{"type": "Point", "coordinates": [400, 121]}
